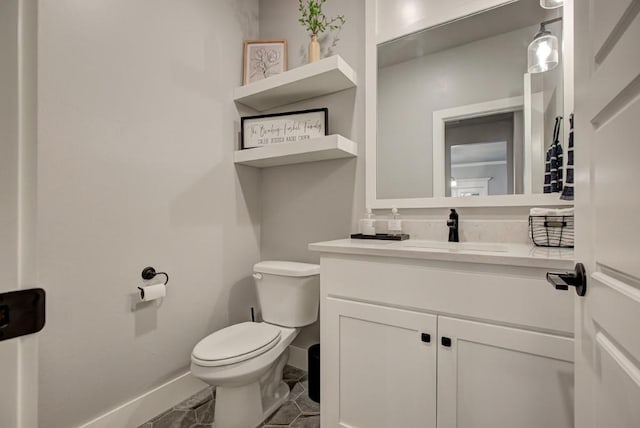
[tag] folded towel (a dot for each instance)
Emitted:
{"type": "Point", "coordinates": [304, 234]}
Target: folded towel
{"type": "Point", "coordinates": [551, 212]}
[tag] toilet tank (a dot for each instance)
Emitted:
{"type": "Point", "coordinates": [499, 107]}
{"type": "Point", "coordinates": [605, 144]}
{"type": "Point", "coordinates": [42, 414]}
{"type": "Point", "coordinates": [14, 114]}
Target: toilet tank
{"type": "Point", "coordinates": [288, 292]}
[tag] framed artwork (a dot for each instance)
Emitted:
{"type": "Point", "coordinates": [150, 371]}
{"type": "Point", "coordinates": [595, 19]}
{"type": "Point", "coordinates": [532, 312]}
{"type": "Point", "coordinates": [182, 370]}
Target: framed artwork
{"type": "Point", "coordinates": [289, 127]}
{"type": "Point", "coordinates": [263, 59]}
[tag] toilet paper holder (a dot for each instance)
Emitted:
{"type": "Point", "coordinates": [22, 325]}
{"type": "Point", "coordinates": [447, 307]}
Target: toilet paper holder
{"type": "Point", "coordinates": [150, 273]}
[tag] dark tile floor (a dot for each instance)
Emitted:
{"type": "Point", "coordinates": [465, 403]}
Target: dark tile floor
{"type": "Point", "coordinates": [198, 411]}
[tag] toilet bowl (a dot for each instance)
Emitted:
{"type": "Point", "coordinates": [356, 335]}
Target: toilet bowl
{"type": "Point", "coordinates": [245, 361]}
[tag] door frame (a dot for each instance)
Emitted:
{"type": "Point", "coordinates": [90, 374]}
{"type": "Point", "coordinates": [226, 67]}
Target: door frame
{"type": "Point", "coordinates": [19, 356]}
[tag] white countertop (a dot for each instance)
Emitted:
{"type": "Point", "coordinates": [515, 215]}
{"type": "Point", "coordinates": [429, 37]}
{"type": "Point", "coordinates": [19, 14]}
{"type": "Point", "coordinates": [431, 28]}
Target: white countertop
{"type": "Point", "coordinates": [467, 252]}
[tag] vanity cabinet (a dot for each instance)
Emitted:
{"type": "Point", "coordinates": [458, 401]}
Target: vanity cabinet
{"type": "Point", "coordinates": [385, 361]}
{"type": "Point", "coordinates": [429, 343]}
{"type": "Point", "coordinates": [496, 376]}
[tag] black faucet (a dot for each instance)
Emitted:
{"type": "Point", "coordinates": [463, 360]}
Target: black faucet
{"type": "Point", "coordinates": [453, 226]}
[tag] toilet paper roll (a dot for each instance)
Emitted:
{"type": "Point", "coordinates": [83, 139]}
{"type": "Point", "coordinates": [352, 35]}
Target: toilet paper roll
{"type": "Point", "coordinates": [152, 292]}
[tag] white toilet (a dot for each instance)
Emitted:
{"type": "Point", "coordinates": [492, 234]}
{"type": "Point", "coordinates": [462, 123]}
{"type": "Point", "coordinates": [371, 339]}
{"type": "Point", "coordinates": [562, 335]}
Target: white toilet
{"type": "Point", "coordinates": [245, 361]}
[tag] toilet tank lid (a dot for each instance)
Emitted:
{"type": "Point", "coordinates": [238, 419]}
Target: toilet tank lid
{"type": "Point", "coordinates": [278, 267]}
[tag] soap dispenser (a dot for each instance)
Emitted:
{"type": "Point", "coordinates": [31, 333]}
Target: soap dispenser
{"type": "Point", "coordinates": [395, 224]}
{"type": "Point", "coordinates": [369, 224]}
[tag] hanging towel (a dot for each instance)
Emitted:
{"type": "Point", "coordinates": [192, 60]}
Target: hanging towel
{"type": "Point", "coordinates": [567, 191]}
{"type": "Point", "coordinates": [553, 162]}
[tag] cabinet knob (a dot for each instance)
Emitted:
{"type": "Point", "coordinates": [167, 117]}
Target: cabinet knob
{"type": "Point", "coordinates": [446, 341]}
{"type": "Point", "coordinates": [426, 337]}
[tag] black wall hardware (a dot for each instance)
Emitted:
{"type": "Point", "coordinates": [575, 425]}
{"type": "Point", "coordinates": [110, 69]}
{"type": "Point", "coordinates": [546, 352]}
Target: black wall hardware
{"type": "Point", "coordinates": [22, 312]}
{"type": "Point", "coordinates": [150, 273]}
{"type": "Point", "coordinates": [446, 341]}
{"type": "Point", "coordinates": [564, 280]}
{"type": "Point", "coordinates": [425, 337]}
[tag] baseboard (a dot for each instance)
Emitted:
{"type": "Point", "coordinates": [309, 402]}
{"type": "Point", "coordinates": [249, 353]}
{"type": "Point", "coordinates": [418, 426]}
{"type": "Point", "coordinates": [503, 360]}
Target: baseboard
{"type": "Point", "coordinates": [298, 357]}
{"type": "Point", "coordinates": [139, 410]}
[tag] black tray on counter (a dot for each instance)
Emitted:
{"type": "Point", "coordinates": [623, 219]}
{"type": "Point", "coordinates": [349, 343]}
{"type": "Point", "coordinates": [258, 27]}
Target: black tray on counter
{"type": "Point", "coordinates": [381, 236]}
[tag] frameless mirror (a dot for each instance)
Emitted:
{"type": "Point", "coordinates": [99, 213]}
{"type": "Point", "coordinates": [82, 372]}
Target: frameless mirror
{"type": "Point", "coordinates": [457, 112]}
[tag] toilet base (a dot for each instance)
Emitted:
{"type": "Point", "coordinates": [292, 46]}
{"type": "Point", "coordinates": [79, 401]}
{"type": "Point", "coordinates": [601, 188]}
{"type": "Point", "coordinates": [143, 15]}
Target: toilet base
{"type": "Point", "coordinates": [247, 406]}
{"type": "Point", "coordinates": [283, 395]}
{"type": "Point", "coordinates": [242, 407]}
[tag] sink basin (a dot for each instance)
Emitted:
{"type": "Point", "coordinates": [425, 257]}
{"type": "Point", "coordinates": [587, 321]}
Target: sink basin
{"type": "Point", "coordinates": [455, 246]}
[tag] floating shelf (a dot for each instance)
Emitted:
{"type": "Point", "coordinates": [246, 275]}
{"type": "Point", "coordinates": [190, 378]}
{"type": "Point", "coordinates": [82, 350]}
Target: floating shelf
{"type": "Point", "coordinates": [324, 77]}
{"type": "Point", "coordinates": [317, 149]}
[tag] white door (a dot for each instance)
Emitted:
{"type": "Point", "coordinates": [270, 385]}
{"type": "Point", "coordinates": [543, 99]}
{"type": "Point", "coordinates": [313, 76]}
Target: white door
{"type": "Point", "coordinates": [381, 366]}
{"type": "Point", "coordinates": [18, 356]}
{"type": "Point", "coordinates": [494, 376]}
{"type": "Point", "coordinates": [607, 212]}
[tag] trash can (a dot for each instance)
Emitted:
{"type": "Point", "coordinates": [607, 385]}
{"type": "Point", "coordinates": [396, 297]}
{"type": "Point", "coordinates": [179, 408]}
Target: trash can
{"type": "Point", "coordinates": [313, 360]}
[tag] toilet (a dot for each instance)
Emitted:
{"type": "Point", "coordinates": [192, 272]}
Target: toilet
{"type": "Point", "coordinates": [245, 361]}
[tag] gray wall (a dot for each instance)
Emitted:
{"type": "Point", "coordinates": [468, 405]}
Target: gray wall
{"type": "Point", "coordinates": [315, 201]}
{"type": "Point", "coordinates": [409, 92]}
{"type": "Point", "coordinates": [136, 144]}
{"type": "Point", "coordinates": [552, 85]}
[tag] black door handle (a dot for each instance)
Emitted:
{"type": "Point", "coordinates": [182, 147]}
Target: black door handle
{"type": "Point", "coordinates": [22, 312]}
{"type": "Point", "coordinates": [5, 318]}
{"type": "Point", "coordinates": [564, 280]}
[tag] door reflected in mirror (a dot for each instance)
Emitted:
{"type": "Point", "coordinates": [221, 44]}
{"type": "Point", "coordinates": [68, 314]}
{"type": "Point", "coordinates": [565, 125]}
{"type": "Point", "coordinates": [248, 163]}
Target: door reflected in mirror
{"type": "Point", "coordinates": [483, 156]}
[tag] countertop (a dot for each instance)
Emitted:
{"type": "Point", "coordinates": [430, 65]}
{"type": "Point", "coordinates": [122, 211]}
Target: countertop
{"type": "Point", "coordinates": [466, 252]}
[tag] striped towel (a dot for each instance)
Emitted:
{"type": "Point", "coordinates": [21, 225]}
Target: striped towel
{"type": "Point", "coordinates": [568, 192]}
{"type": "Point", "coordinates": [553, 175]}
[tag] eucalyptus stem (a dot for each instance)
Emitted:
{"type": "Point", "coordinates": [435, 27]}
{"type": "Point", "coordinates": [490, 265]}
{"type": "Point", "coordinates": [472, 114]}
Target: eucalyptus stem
{"type": "Point", "coordinates": [314, 20]}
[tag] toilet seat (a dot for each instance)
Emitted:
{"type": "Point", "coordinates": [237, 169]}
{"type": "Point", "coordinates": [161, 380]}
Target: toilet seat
{"type": "Point", "coordinates": [236, 343]}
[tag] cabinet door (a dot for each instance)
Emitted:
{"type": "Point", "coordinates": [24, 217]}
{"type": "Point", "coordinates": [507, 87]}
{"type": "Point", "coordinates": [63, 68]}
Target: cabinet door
{"type": "Point", "coordinates": [378, 366]}
{"type": "Point", "coordinates": [500, 377]}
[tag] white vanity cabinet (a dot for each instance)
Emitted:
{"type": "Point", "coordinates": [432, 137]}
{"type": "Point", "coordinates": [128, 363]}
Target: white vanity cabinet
{"type": "Point", "coordinates": [496, 376]}
{"type": "Point", "coordinates": [377, 369]}
{"type": "Point", "coordinates": [418, 342]}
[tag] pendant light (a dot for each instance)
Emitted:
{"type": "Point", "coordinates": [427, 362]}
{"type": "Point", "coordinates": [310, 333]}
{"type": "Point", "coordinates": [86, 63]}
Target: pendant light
{"type": "Point", "coordinates": [542, 53]}
{"type": "Point", "coordinates": [551, 4]}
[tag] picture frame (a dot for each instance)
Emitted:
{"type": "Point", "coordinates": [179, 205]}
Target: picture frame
{"type": "Point", "coordinates": [263, 59]}
{"type": "Point", "coordinates": [287, 127]}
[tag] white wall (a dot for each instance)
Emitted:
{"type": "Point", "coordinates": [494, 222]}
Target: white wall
{"type": "Point", "coordinates": [409, 93]}
{"type": "Point", "coordinates": [137, 134]}
{"type": "Point", "coordinates": [8, 197]}
{"type": "Point", "coordinates": [323, 200]}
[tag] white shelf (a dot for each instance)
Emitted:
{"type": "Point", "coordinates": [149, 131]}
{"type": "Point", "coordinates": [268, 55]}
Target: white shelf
{"type": "Point", "coordinates": [317, 149]}
{"type": "Point", "coordinates": [324, 77]}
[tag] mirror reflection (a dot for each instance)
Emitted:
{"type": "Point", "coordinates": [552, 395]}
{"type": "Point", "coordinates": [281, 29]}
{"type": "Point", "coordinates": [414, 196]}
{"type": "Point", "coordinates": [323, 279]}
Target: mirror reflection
{"type": "Point", "coordinates": [459, 114]}
{"type": "Point", "coordinates": [480, 159]}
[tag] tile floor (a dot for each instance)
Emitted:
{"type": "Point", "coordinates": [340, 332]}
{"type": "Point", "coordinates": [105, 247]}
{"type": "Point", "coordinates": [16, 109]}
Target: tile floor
{"type": "Point", "coordinates": [198, 411]}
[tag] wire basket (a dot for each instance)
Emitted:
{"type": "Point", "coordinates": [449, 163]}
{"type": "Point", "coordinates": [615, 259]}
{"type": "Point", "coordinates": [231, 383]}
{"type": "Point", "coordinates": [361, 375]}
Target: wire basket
{"type": "Point", "coordinates": [552, 230]}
